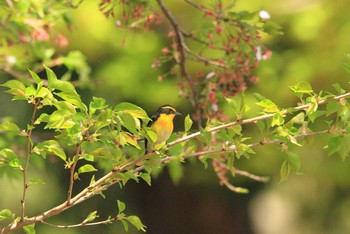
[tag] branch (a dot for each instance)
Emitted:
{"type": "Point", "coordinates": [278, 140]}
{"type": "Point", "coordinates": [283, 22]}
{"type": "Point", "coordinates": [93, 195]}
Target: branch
{"type": "Point", "coordinates": [29, 150]}
{"type": "Point", "coordinates": [82, 224]}
{"type": "Point", "coordinates": [72, 172]}
{"type": "Point", "coordinates": [107, 180]}
{"type": "Point", "coordinates": [255, 119]}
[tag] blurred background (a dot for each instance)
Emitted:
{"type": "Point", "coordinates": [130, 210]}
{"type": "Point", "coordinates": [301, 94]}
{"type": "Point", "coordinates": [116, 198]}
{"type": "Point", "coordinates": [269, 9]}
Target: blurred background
{"type": "Point", "coordinates": [312, 48]}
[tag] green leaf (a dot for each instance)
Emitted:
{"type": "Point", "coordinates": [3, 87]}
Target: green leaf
{"type": "Point", "coordinates": [285, 170]}
{"type": "Point", "coordinates": [125, 224]}
{"type": "Point", "coordinates": [86, 168]}
{"type": "Point", "coordinates": [175, 171]}
{"type": "Point", "coordinates": [313, 106]}
{"type": "Point", "coordinates": [132, 109]}
{"type": "Point", "coordinates": [136, 222]}
{"type": "Point", "coordinates": [188, 123]}
{"type": "Point", "coordinates": [272, 28]}
{"type": "Point", "coordinates": [294, 161]}
{"type": "Point", "coordinates": [268, 105]}
{"type": "Point", "coordinates": [146, 177]}
{"type": "Point", "coordinates": [8, 126]}
{"type": "Point", "coordinates": [346, 67]}
{"type": "Point", "coordinates": [50, 146]}
{"type": "Point", "coordinates": [59, 119]}
{"type": "Point", "coordinates": [29, 229]}
{"type": "Point", "coordinates": [16, 88]}
{"type": "Point", "coordinates": [298, 119]}
{"type": "Point", "coordinates": [243, 15]}
{"type": "Point", "coordinates": [302, 87]}
{"type": "Point", "coordinates": [335, 145]}
{"type": "Point", "coordinates": [277, 119]}
{"type": "Point", "coordinates": [338, 88]}
{"type": "Point", "coordinates": [36, 181]}
{"type": "Point", "coordinates": [121, 206]}
{"type": "Point", "coordinates": [73, 98]}
{"type": "Point", "coordinates": [129, 122]}
{"type": "Point", "coordinates": [332, 107]}
{"type": "Point", "coordinates": [91, 217]}
{"type": "Point", "coordinates": [6, 214]}
{"type": "Point", "coordinates": [96, 104]}
{"type": "Point", "coordinates": [35, 77]}
{"type": "Point", "coordinates": [313, 116]}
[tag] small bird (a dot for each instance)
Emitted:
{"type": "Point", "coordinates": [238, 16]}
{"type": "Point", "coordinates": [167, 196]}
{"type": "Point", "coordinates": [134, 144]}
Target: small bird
{"type": "Point", "coordinates": [162, 124]}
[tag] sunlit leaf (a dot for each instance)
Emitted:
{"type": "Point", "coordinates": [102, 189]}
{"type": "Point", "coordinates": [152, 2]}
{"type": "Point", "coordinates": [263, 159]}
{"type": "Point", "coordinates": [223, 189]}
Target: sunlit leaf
{"type": "Point", "coordinates": [302, 87]}
{"type": "Point", "coordinates": [86, 168]}
{"type": "Point", "coordinates": [136, 222]}
{"type": "Point", "coordinates": [132, 109]}
{"type": "Point", "coordinates": [6, 214]}
{"type": "Point", "coordinates": [268, 105]}
{"type": "Point", "coordinates": [188, 123]}
{"type": "Point", "coordinates": [9, 126]}
{"type": "Point", "coordinates": [29, 229]}
{"type": "Point", "coordinates": [91, 217]}
{"type": "Point", "coordinates": [121, 206]}
{"type": "Point", "coordinates": [146, 177]}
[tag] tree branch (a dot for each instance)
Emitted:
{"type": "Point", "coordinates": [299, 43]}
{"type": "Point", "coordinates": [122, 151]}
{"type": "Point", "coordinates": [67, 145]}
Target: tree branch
{"type": "Point", "coordinates": [255, 119]}
{"type": "Point", "coordinates": [29, 151]}
{"type": "Point", "coordinates": [106, 181]}
{"type": "Point", "coordinates": [82, 224]}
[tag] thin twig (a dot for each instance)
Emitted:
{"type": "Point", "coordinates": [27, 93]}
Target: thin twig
{"type": "Point", "coordinates": [255, 119]}
{"type": "Point", "coordinates": [72, 172]}
{"type": "Point", "coordinates": [105, 181]}
{"type": "Point", "coordinates": [82, 224]}
{"type": "Point", "coordinates": [181, 45]}
{"type": "Point", "coordinates": [29, 151]}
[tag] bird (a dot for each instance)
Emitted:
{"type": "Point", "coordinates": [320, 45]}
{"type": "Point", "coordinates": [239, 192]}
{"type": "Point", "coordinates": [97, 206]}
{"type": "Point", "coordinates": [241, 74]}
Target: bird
{"type": "Point", "coordinates": [162, 124]}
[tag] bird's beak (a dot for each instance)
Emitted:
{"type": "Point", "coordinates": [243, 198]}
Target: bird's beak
{"type": "Point", "coordinates": [177, 113]}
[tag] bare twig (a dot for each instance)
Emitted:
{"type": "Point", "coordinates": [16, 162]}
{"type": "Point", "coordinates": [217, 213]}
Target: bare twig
{"type": "Point", "coordinates": [255, 119]}
{"type": "Point", "coordinates": [82, 224]}
{"type": "Point", "coordinates": [72, 172]}
{"type": "Point", "coordinates": [29, 151]}
{"type": "Point", "coordinates": [181, 45]}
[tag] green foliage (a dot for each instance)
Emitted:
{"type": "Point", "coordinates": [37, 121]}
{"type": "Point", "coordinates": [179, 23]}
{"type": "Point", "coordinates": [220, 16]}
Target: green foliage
{"type": "Point", "coordinates": [104, 142]}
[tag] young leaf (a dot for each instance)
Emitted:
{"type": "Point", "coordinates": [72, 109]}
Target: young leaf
{"type": "Point", "coordinates": [35, 77]}
{"type": "Point", "coordinates": [8, 126]}
{"type": "Point", "coordinates": [6, 214]}
{"type": "Point", "coordinates": [188, 123]}
{"type": "Point", "coordinates": [29, 229]}
{"type": "Point", "coordinates": [125, 224]}
{"type": "Point", "coordinates": [146, 177]}
{"type": "Point", "coordinates": [335, 145]}
{"type": "Point", "coordinates": [96, 104]}
{"type": "Point", "coordinates": [268, 105]}
{"type": "Point", "coordinates": [277, 119]}
{"type": "Point", "coordinates": [86, 168]}
{"type": "Point", "coordinates": [132, 109]}
{"type": "Point", "coordinates": [16, 88]}
{"type": "Point", "coordinates": [121, 206]}
{"type": "Point", "coordinates": [136, 222]}
{"type": "Point", "coordinates": [50, 146]}
{"type": "Point", "coordinates": [175, 171]}
{"type": "Point", "coordinates": [36, 181]}
{"type": "Point", "coordinates": [285, 170]}
{"type": "Point", "coordinates": [302, 87]}
{"type": "Point", "coordinates": [91, 217]}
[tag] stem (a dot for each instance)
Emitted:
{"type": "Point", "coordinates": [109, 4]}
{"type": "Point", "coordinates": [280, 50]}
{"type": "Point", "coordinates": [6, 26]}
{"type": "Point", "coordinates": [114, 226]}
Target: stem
{"type": "Point", "coordinates": [81, 224]}
{"type": "Point", "coordinates": [181, 45]}
{"type": "Point", "coordinates": [255, 119]}
{"type": "Point", "coordinates": [99, 185]}
{"type": "Point", "coordinates": [29, 149]}
{"type": "Point", "coordinates": [72, 171]}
